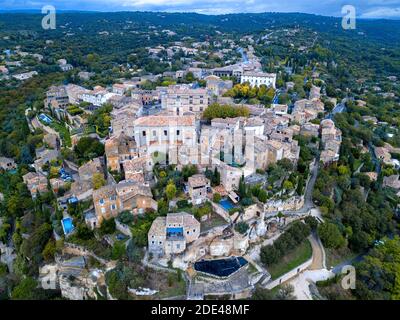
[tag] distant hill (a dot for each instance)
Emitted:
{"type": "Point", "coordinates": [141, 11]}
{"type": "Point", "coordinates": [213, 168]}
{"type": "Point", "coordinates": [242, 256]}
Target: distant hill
{"type": "Point", "coordinates": [385, 31]}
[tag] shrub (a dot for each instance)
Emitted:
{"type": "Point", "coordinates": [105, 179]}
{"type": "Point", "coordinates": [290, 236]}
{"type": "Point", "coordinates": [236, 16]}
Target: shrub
{"type": "Point", "coordinates": [126, 217]}
{"type": "Point", "coordinates": [242, 227]}
{"type": "Point", "coordinates": [182, 204]}
{"type": "Point", "coordinates": [107, 226]}
{"type": "Point", "coordinates": [216, 197]}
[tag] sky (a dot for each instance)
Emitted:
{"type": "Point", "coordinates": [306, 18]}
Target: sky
{"type": "Point", "coordinates": [389, 9]}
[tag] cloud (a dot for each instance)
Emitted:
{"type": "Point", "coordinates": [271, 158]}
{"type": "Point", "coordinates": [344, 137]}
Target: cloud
{"type": "Point", "coordinates": [382, 13]}
{"type": "Point", "coordinates": [364, 8]}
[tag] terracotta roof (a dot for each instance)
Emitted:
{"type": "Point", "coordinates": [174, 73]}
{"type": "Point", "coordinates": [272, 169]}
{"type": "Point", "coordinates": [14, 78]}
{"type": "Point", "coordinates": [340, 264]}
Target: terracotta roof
{"type": "Point", "coordinates": [158, 227]}
{"type": "Point", "coordinates": [182, 218]}
{"type": "Point", "coordinates": [129, 189]}
{"type": "Point", "coordinates": [104, 192]}
{"type": "Point", "coordinates": [198, 180]}
{"type": "Point", "coordinates": [163, 121]}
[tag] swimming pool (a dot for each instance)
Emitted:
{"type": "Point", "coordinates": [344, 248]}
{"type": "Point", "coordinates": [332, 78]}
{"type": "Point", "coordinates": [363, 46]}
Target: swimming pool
{"type": "Point", "coordinates": [227, 204]}
{"type": "Point", "coordinates": [67, 225]}
{"type": "Point", "coordinates": [45, 118]}
{"type": "Point", "coordinates": [221, 267]}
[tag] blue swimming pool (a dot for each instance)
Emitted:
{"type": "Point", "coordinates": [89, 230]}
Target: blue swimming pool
{"type": "Point", "coordinates": [67, 225]}
{"type": "Point", "coordinates": [221, 267]}
{"type": "Point", "coordinates": [227, 204]}
{"type": "Point", "coordinates": [45, 118]}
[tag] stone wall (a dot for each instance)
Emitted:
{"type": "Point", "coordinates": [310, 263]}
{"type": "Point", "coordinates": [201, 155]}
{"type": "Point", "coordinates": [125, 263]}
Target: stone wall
{"type": "Point", "coordinates": [220, 211]}
{"type": "Point", "coordinates": [78, 250]}
{"type": "Point", "coordinates": [292, 204]}
{"type": "Point", "coordinates": [123, 228]}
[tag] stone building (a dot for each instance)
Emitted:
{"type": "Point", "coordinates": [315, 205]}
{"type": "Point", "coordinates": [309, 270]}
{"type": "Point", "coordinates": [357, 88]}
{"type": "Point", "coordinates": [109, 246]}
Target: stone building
{"type": "Point", "coordinates": [119, 149]}
{"type": "Point", "coordinates": [198, 186]}
{"type": "Point", "coordinates": [111, 200]}
{"type": "Point", "coordinates": [170, 235]}
{"type": "Point", "coordinates": [165, 134]}
{"type": "Point", "coordinates": [183, 99]}
{"type": "Point", "coordinates": [36, 183]}
{"type": "Point", "coordinates": [256, 79]}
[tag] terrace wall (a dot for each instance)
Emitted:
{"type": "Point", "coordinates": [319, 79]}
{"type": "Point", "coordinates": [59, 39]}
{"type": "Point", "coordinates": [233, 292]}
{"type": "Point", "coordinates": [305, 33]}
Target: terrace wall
{"type": "Point", "coordinates": [221, 211]}
{"type": "Point", "coordinates": [123, 228]}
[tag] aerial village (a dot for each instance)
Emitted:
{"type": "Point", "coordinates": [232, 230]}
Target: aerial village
{"type": "Point", "coordinates": [187, 179]}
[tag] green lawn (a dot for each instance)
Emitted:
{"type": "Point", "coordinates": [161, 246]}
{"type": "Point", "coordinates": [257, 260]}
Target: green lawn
{"type": "Point", "coordinates": [291, 260]}
{"type": "Point", "coordinates": [177, 288]}
{"type": "Point", "coordinates": [63, 131]}
{"type": "Point", "coordinates": [214, 221]}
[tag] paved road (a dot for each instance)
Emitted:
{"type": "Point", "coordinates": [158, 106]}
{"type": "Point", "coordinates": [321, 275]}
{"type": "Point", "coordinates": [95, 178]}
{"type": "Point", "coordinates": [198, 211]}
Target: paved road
{"type": "Point", "coordinates": [308, 203]}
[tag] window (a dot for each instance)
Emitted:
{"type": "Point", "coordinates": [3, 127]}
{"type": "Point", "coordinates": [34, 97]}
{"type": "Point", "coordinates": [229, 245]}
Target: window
{"type": "Point", "coordinates": [187, 232]}
{"type": "Point", "coordinates": [143, 133]}
{"type": "Point", "coordinates": [178, 132]}
{"type": "Point", "coordinates": [152, 242]}
{"type": "Point", "coordinates": [178, 246]}
{"type": "Point", "coordinates": [113, 207]}
{"type": "Point", "coordinates": [154, 133]}
{"type": "Point", "coordinates": [165, 133]}
{"type": "Point", "coordinates": [101, 201]}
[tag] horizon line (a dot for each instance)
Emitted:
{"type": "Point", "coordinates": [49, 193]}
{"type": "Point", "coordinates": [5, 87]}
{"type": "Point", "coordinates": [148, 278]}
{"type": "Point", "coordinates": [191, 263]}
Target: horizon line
{"type": "Point", "coordinates": [34, 11]}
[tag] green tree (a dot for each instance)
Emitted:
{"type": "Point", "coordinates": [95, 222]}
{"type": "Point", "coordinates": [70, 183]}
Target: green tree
{"type": "Point", "coordinates": [49, 250]}
{"type": "Point", "coordinates": [25, 290]}
{"type": "Point", "coordinates": [170, 190]}
{"type": "Point", "coordinates": [118, 250]}
{"type": "Point", "coordinates": [330, 235]}
{"type": "Point", "coordinates": [98, 180]}
{"type": "Point", "coordinates": [263, 196]}
{"type": "Point", "coordinates": [107, 226]}
{"type": "Point", "coordinates": [216, 197]}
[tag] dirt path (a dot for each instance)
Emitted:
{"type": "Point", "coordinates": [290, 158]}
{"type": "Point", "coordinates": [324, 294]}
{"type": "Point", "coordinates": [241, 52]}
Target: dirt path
{"type": "Point", "coordinates": [318, 253]}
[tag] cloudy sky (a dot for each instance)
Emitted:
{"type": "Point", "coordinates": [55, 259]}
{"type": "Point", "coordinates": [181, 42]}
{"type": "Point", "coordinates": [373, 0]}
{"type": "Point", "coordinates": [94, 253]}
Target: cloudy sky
{"type": "Point", "coordinates": [365, 8]}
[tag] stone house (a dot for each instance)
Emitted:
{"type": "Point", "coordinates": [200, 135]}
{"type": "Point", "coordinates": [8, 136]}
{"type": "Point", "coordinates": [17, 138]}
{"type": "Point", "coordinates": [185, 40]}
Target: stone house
{"type": "Point", "coordinates": [36, 183]}
{"type": "Point", "coordinates": [138, 169]}
{"type": "Point", "coordinates": [181, 99]}
{"type": "Point", "coordinates": [111, 200]}
{"type": "Point", "coordinates": [198, 186]}
{"type": "Point", "coordinates": [170, 235]}
{"type": "Point", "coordinates": [230, 176]}
{"type": "Point", "coordinates": [87, 170]}
{"type": "Point", "coordinates": [118, 149]}
{"type": "Point", "coordinates": [160, 134]}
